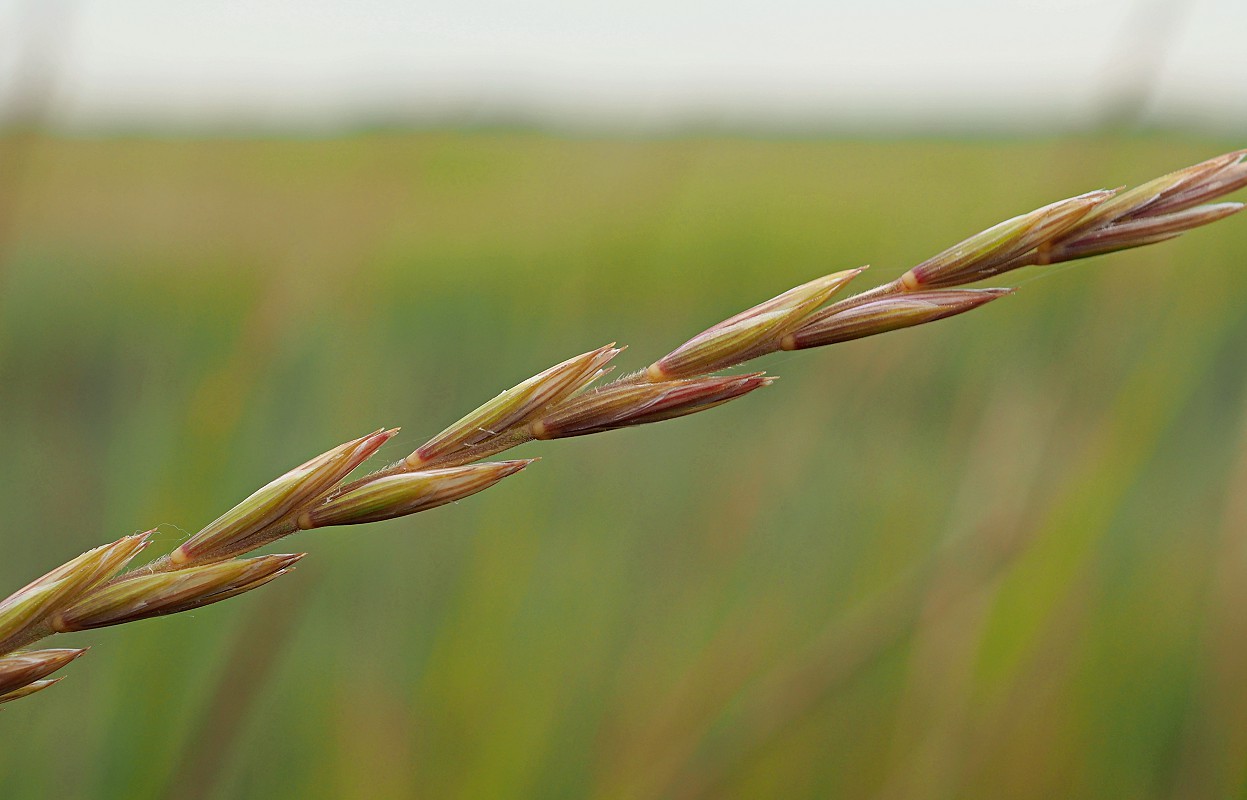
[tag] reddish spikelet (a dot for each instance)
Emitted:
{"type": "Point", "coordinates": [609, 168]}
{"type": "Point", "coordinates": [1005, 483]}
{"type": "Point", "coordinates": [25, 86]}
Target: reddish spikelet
{"type": "Point", "coordinates": [1217, 177]}
{"type": "Point", "coordinates": [981, 255]}
{"type": "Point", "coordinates": [749, 334]}
{"type": "Point", "coordinates": [888, 314]}
{"type": "Point", "coordinates": [517, 406]}
{"type": "Point", "coordinates": [393, 496]}
{"type": "Point", "coordinates": [1156, 211]}
{"type": "Point", "coordinates": [234, 531]}
{"type": "Point", "coordinates": [154, 595]}
{"type": "Point", "coordinates": [1088, 225]}
{"type": "Point", "coordinates": [21, 669]}
{"type": "Point", "coordinates": [28, 690]}
{"type": "Point", "coordinates": [31, 604]}
{"type": "Point", "coordinates": [1139, 231]}
{"type": "Point", "coordinates": [1145, 197]}
{"type": "Point", "coordinates": [624, 405]}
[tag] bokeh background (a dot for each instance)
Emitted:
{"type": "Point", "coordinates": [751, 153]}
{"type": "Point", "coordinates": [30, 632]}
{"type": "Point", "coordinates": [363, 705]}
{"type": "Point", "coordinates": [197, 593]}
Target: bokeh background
{"type": "Point", "coordinates": [999, 556]}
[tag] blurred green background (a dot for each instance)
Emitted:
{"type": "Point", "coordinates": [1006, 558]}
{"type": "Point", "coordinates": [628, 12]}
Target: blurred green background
{"type": "Point", "coordinates": [999, 556]}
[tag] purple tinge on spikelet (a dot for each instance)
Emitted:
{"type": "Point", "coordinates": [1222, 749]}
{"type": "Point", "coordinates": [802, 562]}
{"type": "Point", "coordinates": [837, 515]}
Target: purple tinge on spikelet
{"type": "Point", "coordinates": [888, 314]}
{"type": "Point", "coordinates": [1197, 184]}
{"type": "Point", "coordinates": [751, 333]}
{"type": "Point", "coordinates": [625, 405]}
{"type": "Point", "coordinates": [1088, 225]}
{"type": "Point", "coordinates": [62, 586]}
{"type": "Point", "coordinates": [19, 670]}
{"type": "Point", "coordinates": [983, 254]}
{"type": "Point", "coordinates": [157, 594]}
{"type": "Point", "coordinates": [517, 405]}
{"type": "Point", "coordinates": [232, 533]}
{"type": "Point", "coordinates": [29, 689]}
{"type": "Point", "coordinates": [391, 496]}
{"type": "Point", "coordinates": [1132, 232]}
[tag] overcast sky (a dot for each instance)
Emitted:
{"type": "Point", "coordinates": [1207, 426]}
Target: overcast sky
{"type": "Point", "coordinates": [635, 63]}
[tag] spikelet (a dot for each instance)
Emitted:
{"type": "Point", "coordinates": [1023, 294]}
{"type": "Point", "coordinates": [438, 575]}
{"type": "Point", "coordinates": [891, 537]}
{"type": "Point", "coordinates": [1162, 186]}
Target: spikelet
{"type": "Point", "coordinates": [21, 669]}
{"type": "Point", "coordinates": [32, 604]}
{"type": "Point", "coordinates": [157, 594]}
{"type": "Point", "coordinates": [624, 405]}
{"type": "Point", "coordinates": [230, 533]}
{"type": "Point", "coordinates": [28, 690]}
{"type": "Point", "coordinates": [977, 257]}
{"type": "Point", "coordinates": [391, 496]}
{"type": "Point", "coordinates": [1089, 225]}
{"type": "Point", "coordinates": [888, 314]}
{"type": "Point", "coordinates": [517, 405]}
{"type": "Point", "coordinates": [749, 334]}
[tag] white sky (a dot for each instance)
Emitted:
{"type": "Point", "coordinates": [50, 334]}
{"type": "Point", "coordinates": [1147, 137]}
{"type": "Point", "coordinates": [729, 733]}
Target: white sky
{"type": "Point", "coordinates": [631, 63]}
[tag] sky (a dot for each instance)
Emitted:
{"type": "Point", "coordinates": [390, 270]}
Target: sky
{"type": "Point", "coordinates": [642, 64]}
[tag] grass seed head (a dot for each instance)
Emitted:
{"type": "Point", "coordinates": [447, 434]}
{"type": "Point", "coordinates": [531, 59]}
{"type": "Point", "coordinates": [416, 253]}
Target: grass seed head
{"type": "Point", "coordinates": [84, 594]}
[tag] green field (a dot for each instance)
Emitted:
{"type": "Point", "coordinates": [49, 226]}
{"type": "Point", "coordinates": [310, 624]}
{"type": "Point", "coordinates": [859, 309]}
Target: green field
{"type": "Point", "coordinates": [1000, 556]}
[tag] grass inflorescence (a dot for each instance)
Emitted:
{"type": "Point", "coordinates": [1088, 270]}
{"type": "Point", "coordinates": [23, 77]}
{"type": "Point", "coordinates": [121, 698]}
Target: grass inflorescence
{"type": "Point", "coordinates": [100, 588]}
